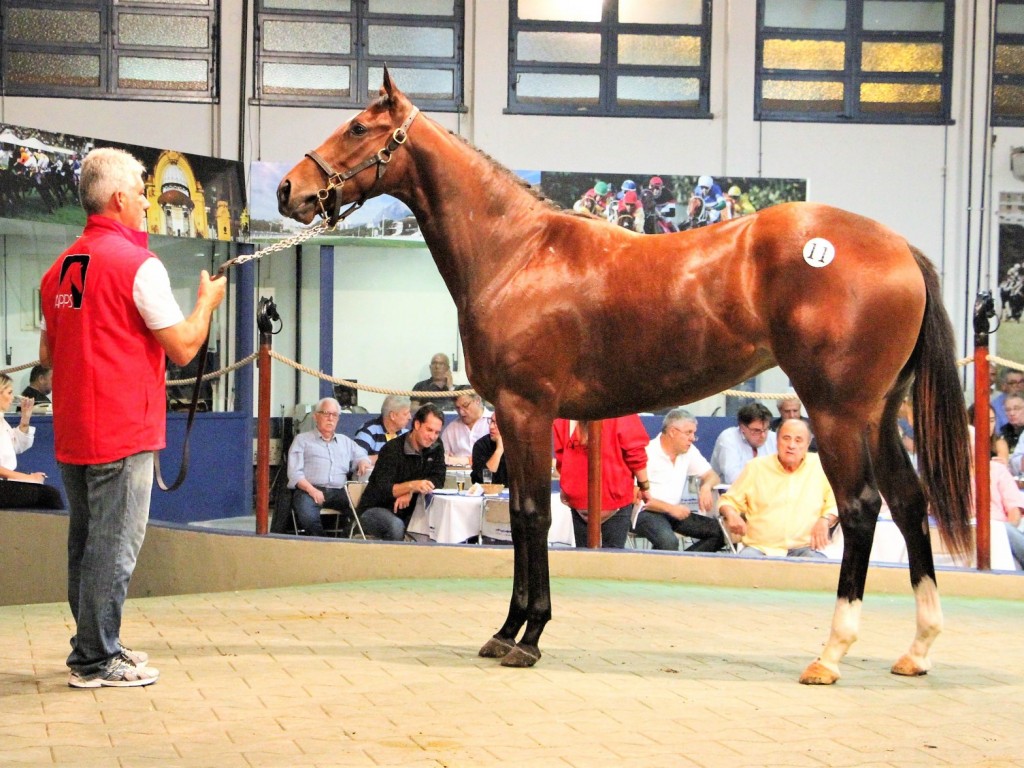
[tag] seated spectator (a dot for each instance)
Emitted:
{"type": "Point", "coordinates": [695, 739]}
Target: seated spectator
{"type": "Point", "coordinates": [623, 457]}
{"type": "Point", "coordinates": [393, 421]}
{"type": "Point", "coordinates": [440, 381]}
{"type": "Point", "coordinates": [1014, 426]}
{"type": "Point", "coordinates": [319, 464]}
{"type": "Point", "coordinates": [407, 466]}
{"type": "Point", "coordinates": [782, 505]}
{"type": "Point", "coordinates": [40, 384]}
{"type": "Point", "coordinates": [789, 408]}
{"type": "Point", "coordinates": [461, 434]}
{"type": "Point", "coordinates": [20, 490]}
{"type": "Point", "coordinates": [1007, 505]}
{"type": "Point", "coordinates": [1009, 382]}
{"type": "Point", "coordinates": [489, 456]}
{"type": "Point", "coordinates": [672, 459]}
{"type": "Point", "coordinates": [998, 447]}
{"type": "Point", "coordinates": [737, 445]}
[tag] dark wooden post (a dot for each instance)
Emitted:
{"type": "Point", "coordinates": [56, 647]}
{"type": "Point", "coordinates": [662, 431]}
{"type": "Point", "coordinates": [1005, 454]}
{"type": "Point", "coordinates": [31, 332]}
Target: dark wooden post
{"type": "Point", "coordinates": [594, 430]}
{"type": "Point", "coordinates": [265, 318]}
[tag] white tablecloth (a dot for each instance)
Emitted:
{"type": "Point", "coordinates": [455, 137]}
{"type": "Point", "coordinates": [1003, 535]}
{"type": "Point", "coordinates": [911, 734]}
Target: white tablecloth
{"type": "Point", "coordinates": [455, 518]}
{"type": "Point", "coordinates": [889, 547]}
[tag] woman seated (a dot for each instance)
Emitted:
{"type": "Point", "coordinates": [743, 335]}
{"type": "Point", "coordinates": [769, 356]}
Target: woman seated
{"type": "Point", "coordinates": [20, 490]}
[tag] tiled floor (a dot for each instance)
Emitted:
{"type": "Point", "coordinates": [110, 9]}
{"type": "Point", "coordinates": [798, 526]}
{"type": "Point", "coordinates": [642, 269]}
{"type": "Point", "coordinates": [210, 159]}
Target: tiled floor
{"type": "Point", "coordinates": [633, 674]}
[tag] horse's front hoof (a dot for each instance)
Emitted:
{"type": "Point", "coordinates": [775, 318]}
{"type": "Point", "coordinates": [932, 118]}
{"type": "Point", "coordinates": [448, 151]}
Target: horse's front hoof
{"type": "Point", "coordinates": [818, 674]}
{"type": "Point", "coordinates": [496, 648]}
{"type": "Point", "coordinates": [907, 666]}
{"type": "Point", "coordinates": [522, 656]}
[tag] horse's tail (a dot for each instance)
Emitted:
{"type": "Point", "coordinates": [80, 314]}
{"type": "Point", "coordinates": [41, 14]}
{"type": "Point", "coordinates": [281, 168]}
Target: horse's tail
{"type": "Point", "coordinates": [940, 420]}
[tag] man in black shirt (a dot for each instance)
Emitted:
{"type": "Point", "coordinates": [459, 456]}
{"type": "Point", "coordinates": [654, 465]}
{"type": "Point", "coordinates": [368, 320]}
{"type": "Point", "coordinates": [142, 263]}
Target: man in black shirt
{"type": "Point", "coordinates": [407, 466]}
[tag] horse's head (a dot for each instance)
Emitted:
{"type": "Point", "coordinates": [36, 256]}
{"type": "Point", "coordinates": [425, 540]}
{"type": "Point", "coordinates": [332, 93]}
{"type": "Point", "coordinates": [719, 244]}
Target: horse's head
{"type": "Point", "coordinates": [349, 166]}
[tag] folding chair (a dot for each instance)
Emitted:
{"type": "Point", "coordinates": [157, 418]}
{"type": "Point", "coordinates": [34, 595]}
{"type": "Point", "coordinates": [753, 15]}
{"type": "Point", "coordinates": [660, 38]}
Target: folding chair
{"type": "Point", "coordinates": [495, 522]}
{"type": "Point", "coordinates": [354, 490]}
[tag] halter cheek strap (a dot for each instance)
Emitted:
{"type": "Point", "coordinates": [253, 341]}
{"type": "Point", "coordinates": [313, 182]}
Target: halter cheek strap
{"type": "Point", "coordinates": [336, 179]}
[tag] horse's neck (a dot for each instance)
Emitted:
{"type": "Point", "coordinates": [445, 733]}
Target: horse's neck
{"type": "Point", "coordinates": [472, 215]}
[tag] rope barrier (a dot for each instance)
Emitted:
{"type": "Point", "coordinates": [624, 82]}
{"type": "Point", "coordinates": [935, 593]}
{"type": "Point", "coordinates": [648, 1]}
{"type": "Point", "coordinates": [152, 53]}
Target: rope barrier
{"type": "Point", "coordinates": [961, 363]}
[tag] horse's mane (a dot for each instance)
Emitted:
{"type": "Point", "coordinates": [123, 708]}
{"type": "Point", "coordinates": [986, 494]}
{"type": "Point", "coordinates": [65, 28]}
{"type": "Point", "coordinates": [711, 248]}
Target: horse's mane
{"type": "Point", "coordinates": [509, 175]}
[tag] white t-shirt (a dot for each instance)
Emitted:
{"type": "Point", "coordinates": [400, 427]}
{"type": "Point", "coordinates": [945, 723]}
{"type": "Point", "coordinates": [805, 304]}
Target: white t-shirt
{"type": "Point", "coordinates": [668, 478]}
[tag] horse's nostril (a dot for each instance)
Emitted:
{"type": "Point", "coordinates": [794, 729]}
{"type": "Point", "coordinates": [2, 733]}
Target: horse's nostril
{"type": "Point", "coordinates": [283, 191]}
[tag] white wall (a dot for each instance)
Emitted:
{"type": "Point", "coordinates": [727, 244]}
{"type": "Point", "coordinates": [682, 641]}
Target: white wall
{"type": "Point", "coordinates": [926, 182]}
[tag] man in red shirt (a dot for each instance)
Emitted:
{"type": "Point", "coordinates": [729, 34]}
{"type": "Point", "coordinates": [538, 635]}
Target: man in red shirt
{"type": "Point", "coordinates": [110, 316]}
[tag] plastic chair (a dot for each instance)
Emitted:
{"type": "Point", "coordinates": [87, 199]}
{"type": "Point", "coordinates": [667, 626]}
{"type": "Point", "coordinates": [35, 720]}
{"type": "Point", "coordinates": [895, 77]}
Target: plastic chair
{"type": "Point", "coordinates": [354, 491]}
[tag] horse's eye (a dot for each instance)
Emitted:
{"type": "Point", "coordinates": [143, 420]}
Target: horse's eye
{"type": "Point", "coordinates": [358, 129]}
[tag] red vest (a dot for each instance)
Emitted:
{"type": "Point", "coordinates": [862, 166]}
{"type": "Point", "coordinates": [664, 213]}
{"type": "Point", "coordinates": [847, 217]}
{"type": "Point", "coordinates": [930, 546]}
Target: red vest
{"type": "Point", "coordinates": [108, 368]}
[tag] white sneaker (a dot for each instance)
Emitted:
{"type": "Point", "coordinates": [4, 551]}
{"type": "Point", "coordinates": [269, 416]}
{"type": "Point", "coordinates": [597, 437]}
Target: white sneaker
{"type": "Point", "coordinates": [138, 658]}
{"type": "Point", "coordinates": [120, 673]}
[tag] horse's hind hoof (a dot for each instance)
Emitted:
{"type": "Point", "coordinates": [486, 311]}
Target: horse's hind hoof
{"type": "Point", "coordinates": [496, 648]}
{"type": "Point", "coordinates": [521, 656]}
{"type": "Point", "coordinates": [908, 667]}
{"type": "Point", "coordinates": [818, 674]}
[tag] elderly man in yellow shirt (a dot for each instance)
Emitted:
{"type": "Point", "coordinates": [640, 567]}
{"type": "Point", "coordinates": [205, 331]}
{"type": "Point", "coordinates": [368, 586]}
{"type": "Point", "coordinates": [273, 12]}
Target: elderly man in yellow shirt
{"type": "Point", "coordinates": [782, 505]}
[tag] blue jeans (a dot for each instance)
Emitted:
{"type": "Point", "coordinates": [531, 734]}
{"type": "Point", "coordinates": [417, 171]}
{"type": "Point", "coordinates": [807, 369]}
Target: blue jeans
{"type": "Point", "coordinates": [307, 512]}
{"type": "Point", "coordinates": [613, 530]}
{"type": "Point", "coordinates": [383, 524]}
{"type": "Point", "coordinates": [108, 508]}
{"type": "Point", "coordinates": [797, 552]}
{"type": "Point", "coordinates": [1016, 544]}
{"type": "Point", "coordinates": [661, 530]}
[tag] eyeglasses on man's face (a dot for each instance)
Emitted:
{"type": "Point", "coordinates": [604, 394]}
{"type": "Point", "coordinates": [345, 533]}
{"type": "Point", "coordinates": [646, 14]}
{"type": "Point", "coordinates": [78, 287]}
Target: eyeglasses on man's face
{"type": "Point", "coordinates": [328, 414]}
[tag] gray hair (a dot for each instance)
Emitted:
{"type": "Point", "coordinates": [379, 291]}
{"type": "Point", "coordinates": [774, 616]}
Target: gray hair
{"type": "Point", "coordinates": [393, 403]}
{"type": "Point", "coordinates": [675, 416]}
{"type": "Point", "coordinates": [105, 171]}
{"type": "Point", "coordinates": [331, 400]}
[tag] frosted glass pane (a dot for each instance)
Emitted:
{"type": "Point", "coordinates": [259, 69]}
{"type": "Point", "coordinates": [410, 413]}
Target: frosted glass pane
{"type": "Point", "coordinates": [307, 37]}
{"type": "Point", "coordinates": [1010, 19]}
{"type": "Point", "coordinates": [53, 69]}
{"type": "Point", "coordinates": [805, 54]}
{"type": "Point", "coordinates": [172, 31]}
{"type": "Point", "coordinates": [539, 88]}
{"type": "Point", "coordinates": [34, 25]}
{"type": "Point", "coordinates": [659, 50]}
{"type": "Point", "coordinates": [307, 80]}
{"type": "Point", "coordinates": [560, 10]}
{"type": "Point", "coordinates": [802, 96]}
{"type": "Point", "coordinates": [574, 47]}
{"type": "Point", "coordinates": [1008, 100]}
{"type": "Point", "coordinates": [205, 3]}
{"type": "Point", "coordinates": [162, 74]}
{"type": "Point", "coordinates": [388, 40]}
{"type": "Point", "coordinates": [901, 97]}
{"type": "Point", "coordinates": [414, 7]}
{"type": "Point", "coordinates": [805, 14]}
{"type": "Point", "coordinates": [660, 11]}
{"type": "Point", "coordinates": [417, 83]}
{"type": "Point", "coordinates": [1010, 59]}
{"type": "Point", "coordinates": [880, 15]}
{"type": "Point", "coordinates": [658, 90]}
{"type": "Point", "coordinates": [338, 6]}
{"type": "Point", "coordinates": [901, 57]}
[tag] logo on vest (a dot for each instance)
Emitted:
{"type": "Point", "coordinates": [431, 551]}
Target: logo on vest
{"type": "Point", "coordinates": [71, 285]}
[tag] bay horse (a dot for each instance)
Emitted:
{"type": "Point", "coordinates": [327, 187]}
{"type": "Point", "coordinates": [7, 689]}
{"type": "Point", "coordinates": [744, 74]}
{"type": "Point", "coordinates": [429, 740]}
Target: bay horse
{"type": "Point", "coordinates": [564, 315]}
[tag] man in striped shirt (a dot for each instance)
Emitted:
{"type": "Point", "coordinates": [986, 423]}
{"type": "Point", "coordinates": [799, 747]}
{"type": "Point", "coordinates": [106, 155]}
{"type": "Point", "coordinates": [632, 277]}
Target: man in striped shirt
{"type": "Point", "coordinates": [393, 421]}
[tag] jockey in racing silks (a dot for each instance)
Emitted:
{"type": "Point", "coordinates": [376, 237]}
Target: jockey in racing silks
{"type": "Point", "coordinates": [714, 201]}
{"type": "Point", "coordinates": [630, 213]}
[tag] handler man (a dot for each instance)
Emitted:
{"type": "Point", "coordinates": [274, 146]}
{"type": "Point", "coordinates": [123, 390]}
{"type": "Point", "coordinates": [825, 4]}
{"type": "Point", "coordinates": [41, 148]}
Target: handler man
{"type": "Point", "coordinates": [110, 317]}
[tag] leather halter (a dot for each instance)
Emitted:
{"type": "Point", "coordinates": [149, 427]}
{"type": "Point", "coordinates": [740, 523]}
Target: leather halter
{"type": "Point", "coordinates": [336, 179]}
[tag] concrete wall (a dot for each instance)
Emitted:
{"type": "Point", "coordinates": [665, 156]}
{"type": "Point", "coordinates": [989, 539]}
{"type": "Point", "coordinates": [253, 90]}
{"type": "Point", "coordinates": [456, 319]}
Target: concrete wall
{"type": "Point", "coordinates": [182, 561]}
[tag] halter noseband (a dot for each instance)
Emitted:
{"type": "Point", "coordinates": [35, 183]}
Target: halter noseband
{"type": "Point", "coordinates": [336, 180]}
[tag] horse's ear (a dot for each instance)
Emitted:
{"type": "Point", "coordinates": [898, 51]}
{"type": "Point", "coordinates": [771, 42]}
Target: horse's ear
{"type": "Point", "coordinates": [388, 88]}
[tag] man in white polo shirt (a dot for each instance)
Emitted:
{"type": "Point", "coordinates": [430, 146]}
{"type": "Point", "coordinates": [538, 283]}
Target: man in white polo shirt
{"type": "Point", "coordinates": [672, 458]}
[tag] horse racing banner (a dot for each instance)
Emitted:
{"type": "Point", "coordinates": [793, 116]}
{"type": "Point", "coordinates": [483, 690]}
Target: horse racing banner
{"type": "Point", "coordinates": [189, 195]}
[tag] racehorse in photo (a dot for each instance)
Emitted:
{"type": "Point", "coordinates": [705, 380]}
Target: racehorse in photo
{"type": "Point", "coordinates": [569, 316]}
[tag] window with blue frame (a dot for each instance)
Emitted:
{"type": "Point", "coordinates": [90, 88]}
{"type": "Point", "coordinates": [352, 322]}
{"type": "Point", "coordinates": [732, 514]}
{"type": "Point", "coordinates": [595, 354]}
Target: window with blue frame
{"type": "Point", "coordinates": [618, 58]}
{"type": "Point", "coordinates": [868, 61]}
{"type": "Point", "coordinates": [115, 49]}
{"type": "Point", "coordinates": [330, 53]}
